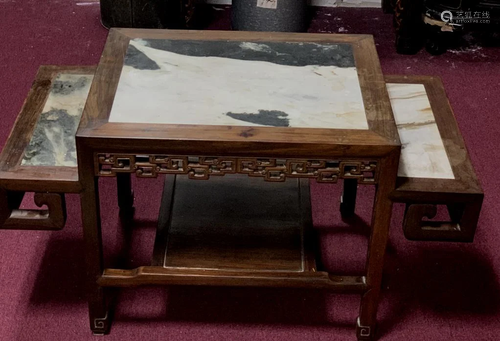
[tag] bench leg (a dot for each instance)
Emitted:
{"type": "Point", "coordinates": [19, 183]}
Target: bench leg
{"type": "Point", "coordinates": [125, 193]}
{"type": "Point", "coordinates": [348, 198]}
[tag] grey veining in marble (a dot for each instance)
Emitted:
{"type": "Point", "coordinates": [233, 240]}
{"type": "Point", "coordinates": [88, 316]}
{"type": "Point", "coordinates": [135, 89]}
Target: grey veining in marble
{"type": "Point", "coordinates": [53, 139]}
{"type": "Point", "coordinates": [283, 53]}
{"type": "Point", "coordinates": [277, 84]}
{"type": "Point", "coordinates": [422, 150]}
{"type": "Point", "coordinates": [138, 60]}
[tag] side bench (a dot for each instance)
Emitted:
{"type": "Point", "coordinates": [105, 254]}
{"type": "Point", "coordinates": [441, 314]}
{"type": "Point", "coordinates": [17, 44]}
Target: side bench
{"type": "Point", "coordinates": [434, 168]}
{"type": "Point", "coordinates": [40, 155]}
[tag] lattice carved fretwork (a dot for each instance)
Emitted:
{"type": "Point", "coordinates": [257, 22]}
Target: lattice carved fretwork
{"type": "Point", "coordinates": [271, 169]}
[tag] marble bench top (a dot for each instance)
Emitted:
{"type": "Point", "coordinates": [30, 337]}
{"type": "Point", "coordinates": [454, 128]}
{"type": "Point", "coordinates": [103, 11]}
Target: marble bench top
{"type": "Point", "coordinates": [422, 150]}
{"type": "Point", "coordinates": [53, 139]}
{"type": "Point", "coordinates": [423, 154]}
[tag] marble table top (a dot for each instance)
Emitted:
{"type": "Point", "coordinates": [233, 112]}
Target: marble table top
{"type": "Point", "coordinates": [278, 84]}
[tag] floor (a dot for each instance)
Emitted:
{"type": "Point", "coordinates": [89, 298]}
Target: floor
{"type": "Point", "coordinates": [432, 291]}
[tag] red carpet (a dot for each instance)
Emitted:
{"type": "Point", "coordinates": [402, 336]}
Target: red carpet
{"type": "Point", "coordinates": [432, 291]}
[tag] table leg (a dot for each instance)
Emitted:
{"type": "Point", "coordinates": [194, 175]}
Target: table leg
{"type": "Point", "coordinates": [125, 194]}
{"type": "Point", "coordinates": [98, 310]}
{"type": "Point", "coordinates": [348, 199]}
{"type": "Point", "coordinates": [379, 234]}
{"type": "Point", "coordinates": [91, 220]}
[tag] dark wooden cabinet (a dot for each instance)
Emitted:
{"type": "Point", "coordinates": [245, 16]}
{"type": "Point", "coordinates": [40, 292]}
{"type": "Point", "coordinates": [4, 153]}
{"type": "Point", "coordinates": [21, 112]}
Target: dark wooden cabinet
{"type": "Point", "coordinates": [147, 13]}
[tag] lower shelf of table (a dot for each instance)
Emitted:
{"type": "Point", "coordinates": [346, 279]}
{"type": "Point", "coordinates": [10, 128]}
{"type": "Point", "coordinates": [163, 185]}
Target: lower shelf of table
{"type": "Point", "coordinates": [234, 230]}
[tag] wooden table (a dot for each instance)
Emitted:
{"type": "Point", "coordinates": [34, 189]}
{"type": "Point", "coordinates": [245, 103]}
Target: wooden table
{"type": "Point", "coordinates": [271, 106]}
{"type": "Point", "coordinates": [238, 224]}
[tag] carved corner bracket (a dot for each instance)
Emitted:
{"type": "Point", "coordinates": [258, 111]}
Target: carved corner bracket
{"type": "Point", "coordinates": [202, 167]}
{"type": "Point", "coordinates": [460, 228]}
{"type": "Point", "coordinates": [52, 218]}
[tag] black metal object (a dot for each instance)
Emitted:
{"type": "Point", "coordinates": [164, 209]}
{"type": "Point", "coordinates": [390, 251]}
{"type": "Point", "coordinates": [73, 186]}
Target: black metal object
{"type": "Point", "coordinates": [269, 15]}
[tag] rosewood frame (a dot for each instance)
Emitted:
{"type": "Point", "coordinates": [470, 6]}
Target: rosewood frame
{"type": "Point", "coordinates": [96, 135]}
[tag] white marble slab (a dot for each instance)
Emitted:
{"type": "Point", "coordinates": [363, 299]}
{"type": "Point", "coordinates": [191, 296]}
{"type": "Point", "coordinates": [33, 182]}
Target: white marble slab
{"type": "Point", "coordinates": [422, 153]}
{"type": "Point", "coordinates": [182, 89]}
{"type": "Point", "coordinates": [53, 139]}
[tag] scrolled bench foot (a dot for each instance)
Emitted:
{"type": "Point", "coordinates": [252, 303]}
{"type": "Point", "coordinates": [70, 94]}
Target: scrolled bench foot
{"type": "Point", "coordinates": [460, 228]}
{"type": "Point", "coordinates": [52, 218]}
